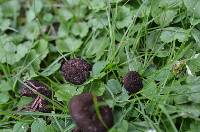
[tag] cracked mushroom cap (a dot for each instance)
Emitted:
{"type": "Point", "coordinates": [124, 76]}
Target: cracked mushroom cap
{"type": "Point", "coordinates": [132, 82]}
{"type": "Point", "coordinates": [76, 71]}
{"type": "Point", "coordinates": [82, 110]}
{"type": "Point", "coordinates": [35, 85]}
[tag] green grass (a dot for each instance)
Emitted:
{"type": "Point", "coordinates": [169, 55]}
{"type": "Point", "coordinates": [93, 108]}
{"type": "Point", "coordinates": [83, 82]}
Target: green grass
{"type": "Point", "coordinates": [160, 39]}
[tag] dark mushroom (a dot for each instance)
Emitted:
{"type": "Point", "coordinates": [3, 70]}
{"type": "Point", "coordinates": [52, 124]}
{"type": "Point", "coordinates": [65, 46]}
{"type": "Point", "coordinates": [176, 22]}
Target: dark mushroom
{"type": "Point", "coordinates": [83, 112]}
{"type": "Point", "coordinates": [27, 89]}
{"type": "Point", "coordinates": [30, 89]}
{"type": "Point", "coordinates": [132, 82]}
{"type": "Point", "coordinates": [76, 71]}
{"type": "Point", "coordinates": [77, 130]}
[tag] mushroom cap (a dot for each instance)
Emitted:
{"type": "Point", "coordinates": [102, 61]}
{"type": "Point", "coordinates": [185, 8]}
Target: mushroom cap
{"type": "Point", "coordinates": [36, 85]}
{"type": "Point", "coordinates": [76, 71]}
{"type": "Point", "coordinates": [82, 110]}
{"type": "Point", "coordinates": [132, 82]}
{"type": "Point", "coordinates": [77, 130]}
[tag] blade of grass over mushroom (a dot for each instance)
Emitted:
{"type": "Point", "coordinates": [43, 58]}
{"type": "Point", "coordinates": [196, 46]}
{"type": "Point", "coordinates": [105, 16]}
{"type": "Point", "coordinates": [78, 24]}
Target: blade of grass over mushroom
{"type": "Point", "coordinates": [97, 111]}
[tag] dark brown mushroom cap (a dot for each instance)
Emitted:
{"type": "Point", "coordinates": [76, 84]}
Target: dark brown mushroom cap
{"type": "Point", "coordinates": [77, 130]}
{"type": "Point", "coordinates": [82, 110]}
{"type": "Point", "coordinates": [76, 71]}
{"type": "Point", "coordinates": [132, 82]}
{"type": "Point", "coordinates": [36, 85]}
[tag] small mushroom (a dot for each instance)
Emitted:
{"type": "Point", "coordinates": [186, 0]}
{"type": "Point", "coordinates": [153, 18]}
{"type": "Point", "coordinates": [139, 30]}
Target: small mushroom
{"type": "Point", "coordinates": [30, 89]}
{"type": "Point", "coordinates": [35, 85]}
{"type": "Point", "coordinates": [132, 82]}
{"type": "Point", "coordinates": [83, 112]}
{"type": "Point", "coordinates": [76, 71]}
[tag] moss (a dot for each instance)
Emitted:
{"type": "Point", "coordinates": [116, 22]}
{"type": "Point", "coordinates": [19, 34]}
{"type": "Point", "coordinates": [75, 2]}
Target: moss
{"type": "Point", "coordinates": [76, 71]}
{"type": "Point", "coordinates": [132, 82]}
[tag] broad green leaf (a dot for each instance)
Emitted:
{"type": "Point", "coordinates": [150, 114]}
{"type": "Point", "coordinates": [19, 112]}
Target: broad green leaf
{"type": "Point", "coordinates": [11, 53]}
{"type": "Point", "coordinates": [4, 97]}
{"type": "Point", "coordinates": [5, 86]}
{"type": "Point", "coordinates": [194, 64]}
{"type": "Point", "coordinates": [48, 17]}
{"type": "Point", "coordinates": [8, 10]}
{"type": "Point", "coordinates": [50, 128]}
{"type": "Point", "coordinates": [70, 44]}
{"type": "Point", "coordinates": [65, 14]}
{"type": "Point", "coordinates": [189, 110]}
{"type": "Point", "coordinates": [42, 48]}
{"type": "Point", "coordinates": [80, 11]}
{"type": "Point", "coordinates": [97, 88]}
{"type": "Point", "coordinates": [162, 74]}
{"type": "Point", "coordinates": [73, 2]}
{"type": "Point", "coordinates": [37, 6]}
{"type": "Point", "coordinates": [153, 40]}
{"type": "Point", "coordinates": [150, 89]}
{"type": "Point", "coordinates": [30, 15]}
{"type": "Point", "coordinates": [196, 35]}
{"type": "Point", "coordinates": [20, 127]}
{"type": "Point", "coordinates": [144, 11]}
{"type": "Point", "coordinates": [114, 86]}
{"type": "Point", "coordinates": [195, 93]}
{"type": "Point", "coordinates": [80, 29]}
{"type": "Point", "coordinates": [97, 5]}
{"type": "Point", "coordinates": [98, 21]}
{"type": "Point", "coordinates": [35, 57]}
{"type": "Point", "coordinates": [193, 7]}
{"type": "Point", "coordinates": [31, 30]}
{"type": "Point", "coordinates": [67, 91]}
{"type": "Point", "coordinates": [96, 47]}
{"type": "Point", "coordinates": [121, 127]}
{"type": "Point", "coordinates": [194, 21]}
{"type": "Point", "coordinates": [171, 34]}
{"type": "Point", "coordinates": [4, 25]}
{"type": "Point", "coordinates": [181, 99]}
{"type": "Point", "coordinates": [164, 11]}
{"type": "Point", "coordinates": [124, 17]}
{"type": "Point", "coordinates": [33, 60]}
{"type": "Point", "coordinates": [24, 101]}
{"type": "Point", "coordinates": [123, 96]}
{"type": "Point", "coordinates": [98, 67]}
{"type": "Point", "coordinates": [39, 125]}
{"type": "Point", "coordinates": [164, 18]}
